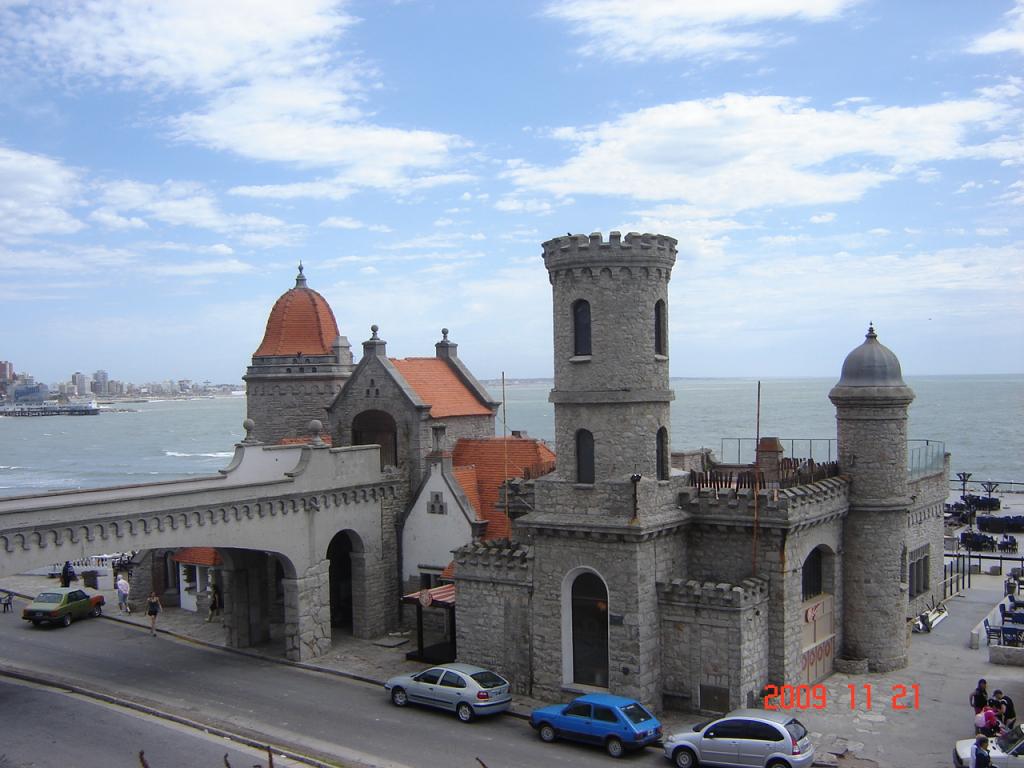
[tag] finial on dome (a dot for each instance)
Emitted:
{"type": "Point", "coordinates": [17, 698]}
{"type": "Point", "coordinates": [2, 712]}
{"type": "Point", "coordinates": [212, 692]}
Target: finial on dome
{"type": "Point", "coordinates": [871, 331]}
{"type": "Point", "coordinates": [300, 279]}
{"type": "Point", "coordinates": [373, 331]}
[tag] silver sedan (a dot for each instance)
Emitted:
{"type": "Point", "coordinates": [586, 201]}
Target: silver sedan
{"type": "Point", "coordinates": [466, 690]}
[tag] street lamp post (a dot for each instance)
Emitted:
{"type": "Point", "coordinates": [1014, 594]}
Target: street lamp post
{"type": "Point", "coordinates": [963, 477]}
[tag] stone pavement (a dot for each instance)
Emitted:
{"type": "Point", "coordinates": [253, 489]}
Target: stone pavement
{"type": "Point", "coordinates": [943, 667]}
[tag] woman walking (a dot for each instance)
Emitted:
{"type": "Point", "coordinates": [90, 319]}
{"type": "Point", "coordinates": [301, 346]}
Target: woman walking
{"type": "Point", "coordinates": [153, 609]}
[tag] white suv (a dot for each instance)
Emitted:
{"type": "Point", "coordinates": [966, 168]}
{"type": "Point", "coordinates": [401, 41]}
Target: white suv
{"type": "Point", "coordinates": [745, 737]}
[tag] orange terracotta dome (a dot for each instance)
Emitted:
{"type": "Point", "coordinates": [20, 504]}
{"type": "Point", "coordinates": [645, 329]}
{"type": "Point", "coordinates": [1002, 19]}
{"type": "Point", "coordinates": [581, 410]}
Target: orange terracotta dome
{"type": "Point", "coordinates": [301, 321]}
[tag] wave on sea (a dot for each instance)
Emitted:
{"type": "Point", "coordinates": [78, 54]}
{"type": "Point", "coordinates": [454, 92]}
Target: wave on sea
{"type": "Point", "coordinates": [216, 455]}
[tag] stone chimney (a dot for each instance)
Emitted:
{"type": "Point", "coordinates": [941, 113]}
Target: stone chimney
{"type": "Point", "coordinates": [769, 459]}
{"type": "Point", "coordinates": [446, 350]}
{"type": "Point", "coordinates": [374, 346]}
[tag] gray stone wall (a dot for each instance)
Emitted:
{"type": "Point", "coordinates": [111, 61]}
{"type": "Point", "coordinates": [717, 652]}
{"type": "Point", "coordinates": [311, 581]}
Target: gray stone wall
{"type": "Point", "coordinates": [493, 592]}
{"type": "Point", "coordinates": [925, 528]}
{"type": "Point", "coordinates": [872, 443]}
{"type": "Point", "coordinates": [625, 436]}
{"type": "Point", "coordinates": [634, 658]}
{"type": "Point", "coordinates": [715, 635]}
{"type": "Point", "coordinates": [283, 406]}
{"type": "Point", "coordinates": [307, 608]}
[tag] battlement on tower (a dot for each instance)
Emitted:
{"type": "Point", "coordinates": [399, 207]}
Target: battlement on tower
{"type": "Point", "coordinates": [749, 592]}
{"type": "Point", "coordinates": [633, 249]}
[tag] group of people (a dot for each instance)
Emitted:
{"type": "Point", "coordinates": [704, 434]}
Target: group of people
{"type": "Point", "coordinates": [994, 715]}
{"type": "Point", "coordinates": [154, 606]}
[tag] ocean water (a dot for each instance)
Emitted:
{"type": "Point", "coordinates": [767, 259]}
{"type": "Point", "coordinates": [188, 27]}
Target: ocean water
{"type": "Point", "coordinates": [979, 418]}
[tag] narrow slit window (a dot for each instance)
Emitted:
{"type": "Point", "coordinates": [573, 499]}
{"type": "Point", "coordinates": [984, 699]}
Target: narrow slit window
{"type": "Point", "coordinates": [584, 457]}
{"type": "Point", "coordinates": [659, 328]}
{"type": "Point", "coordinates": [581, 327]}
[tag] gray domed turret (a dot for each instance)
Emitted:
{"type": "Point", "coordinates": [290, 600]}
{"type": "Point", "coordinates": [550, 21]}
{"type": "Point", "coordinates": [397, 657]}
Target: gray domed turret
{"type": "Point", "coordinates": [871, 402]}
{"type": "Point", "coordinates": [872, 364]}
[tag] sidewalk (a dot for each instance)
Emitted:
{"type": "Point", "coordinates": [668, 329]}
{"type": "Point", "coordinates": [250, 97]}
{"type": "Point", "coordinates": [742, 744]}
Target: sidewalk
{"type": "Point", "coordinates": [943, 667]}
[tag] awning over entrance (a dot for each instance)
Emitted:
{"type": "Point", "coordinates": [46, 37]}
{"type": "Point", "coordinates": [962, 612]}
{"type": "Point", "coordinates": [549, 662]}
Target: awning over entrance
{"type": "Point", "coordinates": [436, 597]}
{"type": "Point", "coordinates": [207, 556]}
{"type": "Point", "coordinates": [442, 597]}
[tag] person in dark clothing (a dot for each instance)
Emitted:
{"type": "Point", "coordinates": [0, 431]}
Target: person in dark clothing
{"type": "Point", "coordinates": [214, 602]}
{"type": "Point", "coordinates": [980, 758]}
{"type": "Point", "coordinates": [1006, 709]}
{"type": "Point", "coordinates": [979, 698]}
{"type": "Point", "coordinates": [67, 573]}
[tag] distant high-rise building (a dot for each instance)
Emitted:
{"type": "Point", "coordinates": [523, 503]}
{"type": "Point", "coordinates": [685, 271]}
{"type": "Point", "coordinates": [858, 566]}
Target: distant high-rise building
{"type": "Point", "coordinates": [99, 382]}
{"type": "Point", "coordinates": [81, 382]}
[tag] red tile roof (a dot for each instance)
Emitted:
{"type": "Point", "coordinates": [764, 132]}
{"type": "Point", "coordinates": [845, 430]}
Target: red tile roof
{"type": "Point", "coordinates": [467, 479]}
{"type": "Point", "coordinates": [301, 321]}
{"type": "Point", "coordinates": [436, 384]}
{"type": "Point", "coordinates": [198, 556]}
{"type": "Point", "coordinates": [496, 459]}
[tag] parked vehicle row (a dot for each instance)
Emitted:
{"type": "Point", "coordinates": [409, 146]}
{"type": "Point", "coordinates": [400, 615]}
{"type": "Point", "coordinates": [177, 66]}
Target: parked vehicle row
{"type": "Point", "coordinates": [746, 737]}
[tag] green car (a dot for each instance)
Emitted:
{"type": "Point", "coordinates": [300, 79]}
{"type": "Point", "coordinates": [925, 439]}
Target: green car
{"type": "Point", "coordinates": [62, 605]}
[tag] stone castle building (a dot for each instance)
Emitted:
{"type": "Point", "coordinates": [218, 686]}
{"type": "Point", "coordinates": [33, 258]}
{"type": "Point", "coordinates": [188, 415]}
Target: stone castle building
{"type": "Point", "coordinates": [628, 567]}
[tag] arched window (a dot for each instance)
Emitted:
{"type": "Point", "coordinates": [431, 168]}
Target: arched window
{"type": "Point", "coordinates": [589, 630]}
{"type": "Point", "coordinates": [660, 333]}
{"type": "Point", "coordinates": [812, 575]}
{"type": "Point", "coordinates": [662, 454]}
{"type": "Point", "coordinates": [584, 457]}
{"type": "Point", "coordinates": [581, 327]}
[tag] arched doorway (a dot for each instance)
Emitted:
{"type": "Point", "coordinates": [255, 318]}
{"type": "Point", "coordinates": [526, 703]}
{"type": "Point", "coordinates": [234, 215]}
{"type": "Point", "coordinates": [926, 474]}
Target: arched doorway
{"type": "Point", "coordinates": [339, 553]}
{"type": "Point", "coordinates": [589, 630]}
{"type": "Point", "coordinates": [377, 428]}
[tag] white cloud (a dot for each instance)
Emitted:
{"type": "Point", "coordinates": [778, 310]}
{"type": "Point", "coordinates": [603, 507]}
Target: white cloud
{"type": "Point", "coordinates": [967, 185]}
{"type": "Point", "coordinates": [271, 83]}
{"type": "Point", "coordinates": [669, 29]}
{"type": "Point", "coordinates": [991, 231]}
{"type": "Point", "coordinates": [347, 222]}
{"type": "Point", "coordinates": [822, 218]}
{"type": "Point", "coordinates": [1010, 38]}
{"type": "Point", "coordinates": [738, 152]}
{"type": "Point", "coordinates": [201, 268]}
{"type": "Point", "coordinates": [111, 220]}
{"type": "Point", "coordinates": [190, 205]}
{"type": "Point", "coordinates": [35, 191]}
{"type": "Point", "coordinates": [443, 222]}
{"type": "Point", "coordinates": [187, 44]}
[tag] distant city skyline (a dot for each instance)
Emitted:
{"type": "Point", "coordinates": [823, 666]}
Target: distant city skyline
{"type": "Point", "coordinates": [823, 163]}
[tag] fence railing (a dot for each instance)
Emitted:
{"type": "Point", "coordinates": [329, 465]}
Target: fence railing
{"type": "Point", "coordinates": [925, 457]}
{"type": "Point", "coordinates": [743, 450]}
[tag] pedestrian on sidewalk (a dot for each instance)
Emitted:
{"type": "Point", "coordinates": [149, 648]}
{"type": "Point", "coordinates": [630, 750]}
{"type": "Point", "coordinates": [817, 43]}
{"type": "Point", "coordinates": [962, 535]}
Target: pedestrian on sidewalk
{"type": "Point", "coordinates": [1006, 708]}
{"type": "Point", "coordinates": [153, 609]}
{"type": "Point", "coordinates": [980, 696]}
{"type": "Point", "coordinates": [123, 588]}
{"type": "Point", "coordinates": [214, 602]}
{"type": "Point", "coordinates": [67, 573]}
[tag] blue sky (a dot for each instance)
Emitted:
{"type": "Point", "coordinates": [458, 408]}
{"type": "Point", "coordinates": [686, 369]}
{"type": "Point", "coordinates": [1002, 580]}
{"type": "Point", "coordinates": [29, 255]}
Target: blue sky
{"type": "Point", "coordinates": [823, 164]}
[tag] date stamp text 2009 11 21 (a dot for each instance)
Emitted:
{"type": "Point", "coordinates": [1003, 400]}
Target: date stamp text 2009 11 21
{"type": "Point", "coordinates": [801, 697]}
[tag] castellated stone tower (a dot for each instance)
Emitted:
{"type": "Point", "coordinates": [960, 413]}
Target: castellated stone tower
{"type": "Point", "coordinates": [611, 391]}
{"type": "Point", "coordinates": [299, 367]}
{"type": "Point", "coordinates": [871, 402]}
{"type": "Point", "coordinates": [601, 528]}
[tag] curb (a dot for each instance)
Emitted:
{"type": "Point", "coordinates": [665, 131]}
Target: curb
{"type": "Point", "coordinates": [146, 709]}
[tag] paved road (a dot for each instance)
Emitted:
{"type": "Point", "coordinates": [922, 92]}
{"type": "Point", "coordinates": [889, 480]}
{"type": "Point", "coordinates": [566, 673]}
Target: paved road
{"type": "Point", "coordinates": [315, 714]}
{"type": "Point", "coordinates": [44, 727]}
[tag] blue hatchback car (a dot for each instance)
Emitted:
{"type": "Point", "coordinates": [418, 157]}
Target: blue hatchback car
{"type": "Point", "coordinates": [616, 723]}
